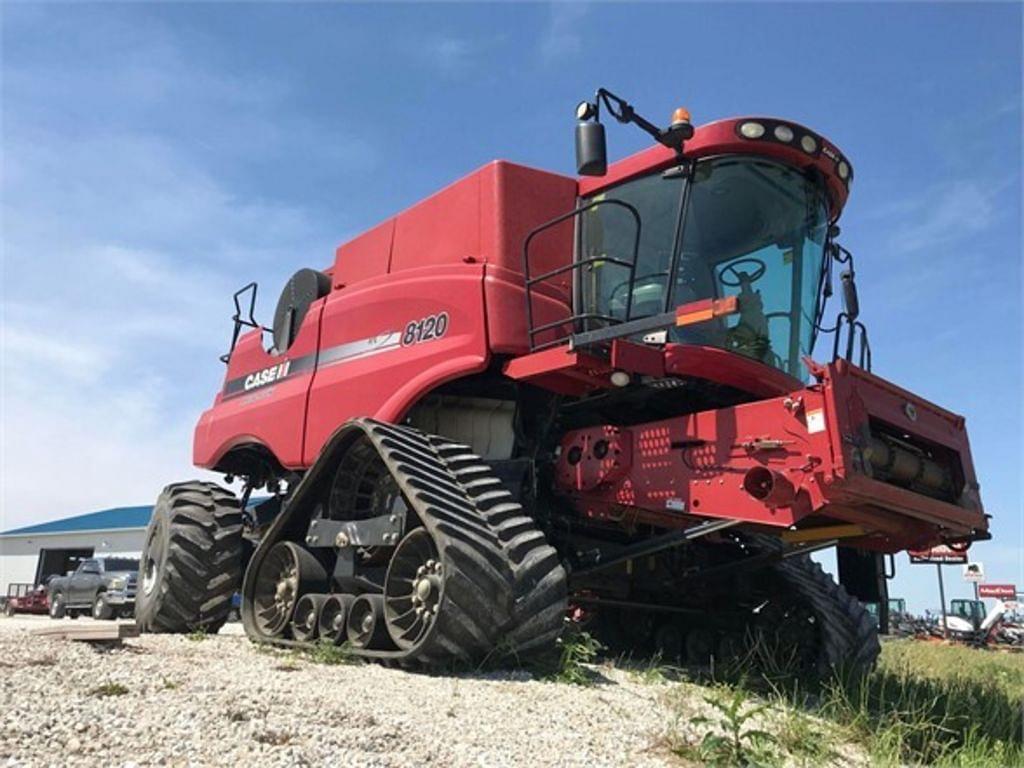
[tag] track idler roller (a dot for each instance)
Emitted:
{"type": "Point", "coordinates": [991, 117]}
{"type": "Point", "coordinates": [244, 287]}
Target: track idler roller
{"type": "Point", "coordinates": [333, 618]}
{"type": "Point", "coordinates": [365, 627]}
{"type": "Point", "coordinates": [306, 618]}
{"type": "Point", "coordinates": [413, 589]}
{"type": "Point", "coordinates": [288, 572]}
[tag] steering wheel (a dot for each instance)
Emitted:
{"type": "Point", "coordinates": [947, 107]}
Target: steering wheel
{"type": "Point", "coordinates": [759, 269]}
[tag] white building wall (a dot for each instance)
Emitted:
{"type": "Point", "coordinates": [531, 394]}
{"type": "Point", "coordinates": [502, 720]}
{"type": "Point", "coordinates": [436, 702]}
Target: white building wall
{"type": "Point", "coordinates": [19, 554]}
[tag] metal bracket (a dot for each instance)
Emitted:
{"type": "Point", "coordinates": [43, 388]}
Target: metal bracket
{"type": "Point", "coordinates": [384, 530]}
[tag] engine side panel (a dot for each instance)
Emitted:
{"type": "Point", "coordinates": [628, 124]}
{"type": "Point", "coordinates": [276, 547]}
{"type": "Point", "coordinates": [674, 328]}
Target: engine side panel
{"type": "Point", "coordinates": [388, 341]}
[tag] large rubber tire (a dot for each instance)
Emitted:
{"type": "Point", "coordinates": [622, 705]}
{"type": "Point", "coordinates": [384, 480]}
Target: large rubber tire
{"type": "Point", "coordinates": [192, 560]}
{"type": "Point", "coordinates": [847, 635]}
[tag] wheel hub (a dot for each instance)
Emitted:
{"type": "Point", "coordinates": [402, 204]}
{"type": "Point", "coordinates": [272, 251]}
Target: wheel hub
{"type": "Point", "coordinates": [149, 576]}
{"type": "Point", "coordinates": [413, 589]}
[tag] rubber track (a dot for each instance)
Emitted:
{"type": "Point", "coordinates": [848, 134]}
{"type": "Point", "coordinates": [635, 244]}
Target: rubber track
{"type": "Point", "coordinates": [203, 568]}
{"type": "Point", "coordinates": [503, 583]}
{"type": "Point", "coordinates": [849, 637]}
{"type": "Point", "coordinates": [540, 583]}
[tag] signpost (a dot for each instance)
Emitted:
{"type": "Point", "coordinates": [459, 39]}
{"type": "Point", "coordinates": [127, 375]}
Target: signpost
{"type": "Point", "coordinates": [974, 572]}
{"type": "Point", "coordinates": [1004, 592]}
{"type": "Point", "coordinates": [940, 555]}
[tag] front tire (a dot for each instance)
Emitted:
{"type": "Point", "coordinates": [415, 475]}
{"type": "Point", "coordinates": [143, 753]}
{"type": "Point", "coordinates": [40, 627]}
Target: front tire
{"type": "Point", "coordinates": [101, 609]}
{"type": "Point", "coordinates": [191, 561]}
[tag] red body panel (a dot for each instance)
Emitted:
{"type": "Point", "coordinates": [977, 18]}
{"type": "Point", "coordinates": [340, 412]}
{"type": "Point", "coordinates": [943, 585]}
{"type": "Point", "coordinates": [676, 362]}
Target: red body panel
{"type": "Point", "coordinates": [457, 252]}
{"type": "Point", "coordinates": [667, 472]}
{"type": "Point", "coordinates": [273, 415]}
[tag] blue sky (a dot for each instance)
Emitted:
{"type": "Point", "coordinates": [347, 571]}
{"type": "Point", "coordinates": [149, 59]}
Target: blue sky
{"type": "Point", "coordinates": [156, 157]}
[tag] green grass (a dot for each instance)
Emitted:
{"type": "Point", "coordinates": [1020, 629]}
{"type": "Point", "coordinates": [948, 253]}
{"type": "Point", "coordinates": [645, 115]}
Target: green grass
{"type": "Point", "coordinates": [935, 704]}
{"type": "Point", "coordinates": [576, 650]}
{"type": "Point", "coordinates": [108, 689]}
{"type": "Point", "coordinates": [925, 704]}
{"type": "Point", "coordinates": [326, 652]}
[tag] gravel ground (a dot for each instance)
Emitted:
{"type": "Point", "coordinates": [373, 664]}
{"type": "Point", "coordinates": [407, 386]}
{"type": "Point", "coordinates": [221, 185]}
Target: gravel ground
{"type": "Point", "coordinates": [172, 700]}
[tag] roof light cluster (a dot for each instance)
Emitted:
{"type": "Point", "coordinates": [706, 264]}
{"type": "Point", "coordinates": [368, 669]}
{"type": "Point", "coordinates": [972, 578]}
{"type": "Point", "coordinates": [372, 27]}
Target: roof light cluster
{"type": "Point", "coordinates": [782, 133]}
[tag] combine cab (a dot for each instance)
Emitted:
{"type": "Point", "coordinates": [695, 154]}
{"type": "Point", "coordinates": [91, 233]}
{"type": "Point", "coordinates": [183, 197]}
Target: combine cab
{"type": "Point", "coordinates": [531, 396]}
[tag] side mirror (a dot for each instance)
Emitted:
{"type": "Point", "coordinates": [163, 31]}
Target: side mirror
{"type": "Point", "coordinates": [850, 303]}
{"type": "Point", "coordinates": [591, 149]}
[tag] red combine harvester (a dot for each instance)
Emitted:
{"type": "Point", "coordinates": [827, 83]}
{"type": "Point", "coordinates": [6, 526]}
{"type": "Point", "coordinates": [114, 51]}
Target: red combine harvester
{"type": "Point", "coordinates": [531, 396]}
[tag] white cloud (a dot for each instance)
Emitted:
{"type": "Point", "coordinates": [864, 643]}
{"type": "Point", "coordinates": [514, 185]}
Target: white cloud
{"type": "Point", "coordinates": [122, 244]}
{"type": "Point", "coordinates": [453, 55]}
{"type": "Point", "coordinates": [950, 211]}
{"type": "Point", "coordinates": [561, 37]}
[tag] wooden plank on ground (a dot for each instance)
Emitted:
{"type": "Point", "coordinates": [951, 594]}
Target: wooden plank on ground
{"type": "Point", "coordinates": [90, 633]}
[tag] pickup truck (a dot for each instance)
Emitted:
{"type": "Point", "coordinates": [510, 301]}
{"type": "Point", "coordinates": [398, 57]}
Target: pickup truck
{"type": "Point", "coordinates": [102, 586]}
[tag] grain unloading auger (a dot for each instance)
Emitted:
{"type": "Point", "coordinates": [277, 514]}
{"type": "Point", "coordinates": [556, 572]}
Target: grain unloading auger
{"type": "Point", "coordinates": [531, 397]}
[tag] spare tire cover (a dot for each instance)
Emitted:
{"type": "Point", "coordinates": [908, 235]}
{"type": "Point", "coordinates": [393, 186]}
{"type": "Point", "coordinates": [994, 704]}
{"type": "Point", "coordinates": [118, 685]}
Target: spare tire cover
{"type": "Point", "coordinates": [301, 290]}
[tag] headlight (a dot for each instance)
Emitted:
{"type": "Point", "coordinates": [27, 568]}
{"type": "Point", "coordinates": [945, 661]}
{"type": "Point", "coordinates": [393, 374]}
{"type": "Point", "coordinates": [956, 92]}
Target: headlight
{"type": "Point", "coordinates": [784, 133]}
{"type": "Point", "coordinates": [752, 130]}
{"type": "Point", "coordinates": [119, 583]}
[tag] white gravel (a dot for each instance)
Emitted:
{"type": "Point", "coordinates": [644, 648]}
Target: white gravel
{"type": "Point", "coordinates": [222, 701]}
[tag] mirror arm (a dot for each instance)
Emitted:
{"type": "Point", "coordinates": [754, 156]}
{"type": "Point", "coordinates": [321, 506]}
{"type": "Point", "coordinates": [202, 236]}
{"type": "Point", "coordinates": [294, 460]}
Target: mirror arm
{"type": "Point", "coordinates": [626, 114]}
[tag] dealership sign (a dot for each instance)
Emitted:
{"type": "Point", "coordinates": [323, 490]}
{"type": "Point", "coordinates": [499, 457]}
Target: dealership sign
{"type": "Point", "coordinates": [940, 554]}
{"type": "Point", "coordinates": [974, 572]}
{"type": "Point", "coordinates": [999, 591]}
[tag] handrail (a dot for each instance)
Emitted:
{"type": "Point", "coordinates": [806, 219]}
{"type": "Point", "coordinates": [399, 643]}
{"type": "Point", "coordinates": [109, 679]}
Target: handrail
{"type": "Point", "coordinates": [844, 321]}
{"type": "Point", "coordinates": [240, 321]}
{"type": "Point", "coordinates": [532, 331]}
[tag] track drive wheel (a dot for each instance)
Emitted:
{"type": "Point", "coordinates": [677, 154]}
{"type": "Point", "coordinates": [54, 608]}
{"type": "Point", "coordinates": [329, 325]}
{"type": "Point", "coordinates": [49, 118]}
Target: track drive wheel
{"type": "Point", "coordinates": [191, 560]}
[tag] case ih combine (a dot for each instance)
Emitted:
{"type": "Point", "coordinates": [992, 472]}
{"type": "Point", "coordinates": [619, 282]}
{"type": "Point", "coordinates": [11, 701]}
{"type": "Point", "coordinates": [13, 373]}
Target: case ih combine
{"type": "Point", "coordinates": [531, 396]}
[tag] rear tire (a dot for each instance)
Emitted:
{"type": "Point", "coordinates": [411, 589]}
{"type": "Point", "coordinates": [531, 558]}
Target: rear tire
{"type": "Point", "coordinates": [57, 609]}
{"type": "Point", "coordinates": [192, 560]}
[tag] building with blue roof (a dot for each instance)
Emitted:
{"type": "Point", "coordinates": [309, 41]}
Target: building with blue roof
{"type": "Point", "coordinates": [33, 553]}
{"type": "Point", "coordinates": [117, 518]}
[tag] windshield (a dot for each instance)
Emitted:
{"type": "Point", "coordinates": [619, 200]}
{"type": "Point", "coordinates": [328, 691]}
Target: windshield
{"type": "Point", "coordinates": [120, 564]}
{"type": "Point", "coordinates": [750, 228]}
